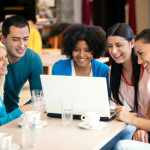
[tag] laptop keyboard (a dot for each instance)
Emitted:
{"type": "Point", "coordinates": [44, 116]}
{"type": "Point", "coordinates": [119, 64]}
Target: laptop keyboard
{"type": "Point", "coordinates": [111, 113]}
{"type": "Point", "coordinates": [105, 114]}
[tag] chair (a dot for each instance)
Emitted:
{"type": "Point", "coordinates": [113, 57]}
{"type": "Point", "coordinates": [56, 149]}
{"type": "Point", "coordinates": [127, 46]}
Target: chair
{"type": "Point", "coordinates": [55, 41]}
{"type": "Point", "coordinates": [55, 36]}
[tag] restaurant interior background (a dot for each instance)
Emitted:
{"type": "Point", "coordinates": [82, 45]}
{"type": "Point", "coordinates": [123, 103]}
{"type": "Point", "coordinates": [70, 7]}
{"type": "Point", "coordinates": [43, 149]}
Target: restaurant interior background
{"type": "Point", "coordinates": [57, 14]}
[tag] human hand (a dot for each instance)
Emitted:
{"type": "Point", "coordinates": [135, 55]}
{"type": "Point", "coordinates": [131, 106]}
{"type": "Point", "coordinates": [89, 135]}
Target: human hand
{"type": "Point", "coordinates": [123, 114]}
{"type": "Point", "coordinates": [140, 135]}
{"type": "Point", "coordinates": [25, 108]}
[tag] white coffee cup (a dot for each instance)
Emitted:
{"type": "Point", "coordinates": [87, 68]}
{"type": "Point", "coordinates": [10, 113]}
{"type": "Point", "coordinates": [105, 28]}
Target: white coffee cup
{"type": "Point", "coordinates": [5, 141]}
{"type": "Point", "coordinates": [91, 118]}
{"type": "Point", "coordinates": [33, 114]}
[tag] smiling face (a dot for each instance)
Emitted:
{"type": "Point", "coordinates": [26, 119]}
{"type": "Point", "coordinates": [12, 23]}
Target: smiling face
{"type": "Point", "coordinates": [3, 61]}
{"type": "Point", "coordinates": [16, 43]}
{"type": "Point", "coordinates": [142, 50]}
{"type": "Point", "coordinates": [82, 55]}
{"type": "Point", "coordinates": [119, 48]}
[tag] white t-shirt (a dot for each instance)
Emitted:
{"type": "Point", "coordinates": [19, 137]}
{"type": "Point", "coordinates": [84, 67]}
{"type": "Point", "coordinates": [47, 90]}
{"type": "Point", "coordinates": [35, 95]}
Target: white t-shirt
{"type": "Point", "coordinates": [73, 69]}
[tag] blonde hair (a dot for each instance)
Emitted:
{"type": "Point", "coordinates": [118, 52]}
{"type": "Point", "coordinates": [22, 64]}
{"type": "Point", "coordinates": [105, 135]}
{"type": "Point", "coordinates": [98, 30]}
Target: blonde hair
{"type": "Point", "coordinates": [2, 46]}
{"type": "Point", "coordinates": [2, 81]}
{"type": "Point", "coordinates": [2, 77]}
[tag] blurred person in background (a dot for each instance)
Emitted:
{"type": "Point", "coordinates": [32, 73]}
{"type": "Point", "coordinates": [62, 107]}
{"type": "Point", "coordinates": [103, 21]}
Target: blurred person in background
{"type": "Point", "coordinates": [35, 40]}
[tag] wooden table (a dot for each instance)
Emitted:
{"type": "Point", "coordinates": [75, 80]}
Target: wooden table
{"type": "Point", "coordinates": [56, 137]}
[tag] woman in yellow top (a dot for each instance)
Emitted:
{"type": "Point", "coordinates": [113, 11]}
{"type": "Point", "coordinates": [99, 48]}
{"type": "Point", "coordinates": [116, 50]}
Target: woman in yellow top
{"type": "Point", "coordinates": [35, 40]}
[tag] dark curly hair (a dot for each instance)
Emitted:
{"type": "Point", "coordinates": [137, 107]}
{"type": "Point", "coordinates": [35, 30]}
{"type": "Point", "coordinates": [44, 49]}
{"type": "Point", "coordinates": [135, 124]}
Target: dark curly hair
{"type": "Point", "coordinates": [94, 36]}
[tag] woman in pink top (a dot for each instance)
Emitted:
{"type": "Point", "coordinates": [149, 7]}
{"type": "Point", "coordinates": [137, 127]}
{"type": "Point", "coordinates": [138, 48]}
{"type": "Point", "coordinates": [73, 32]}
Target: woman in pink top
{"type": "Point", "coordinates": [128, 80]}
{"type": "Point", "coordinates": [142, 50]}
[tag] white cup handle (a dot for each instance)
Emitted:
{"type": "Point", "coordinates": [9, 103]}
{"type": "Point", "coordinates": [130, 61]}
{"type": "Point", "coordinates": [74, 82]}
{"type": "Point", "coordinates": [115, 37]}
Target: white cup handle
{"type": "Point", "coordinates": [83, 118]}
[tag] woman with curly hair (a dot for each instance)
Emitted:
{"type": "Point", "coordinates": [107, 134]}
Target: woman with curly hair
{"type": "Point", "coordinates": [82, 44]}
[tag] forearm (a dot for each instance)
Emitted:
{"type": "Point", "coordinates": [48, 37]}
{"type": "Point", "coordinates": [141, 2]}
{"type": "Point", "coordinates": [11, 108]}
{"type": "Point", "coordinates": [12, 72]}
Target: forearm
{"type": "Point", "coordinates": [140, 123]}
{"type": "Point", "coordinates": [148, 113]}
{"type": "Point", "coordinates": [143, 123]}
{"type": "Point", "coordinates": [11, 116]}
{"type": "Point", "coordinates": [25, 108]}
{"type": "Point", "coordinates": [124, 115]}
{"type": "Point", "coordinates": [28, 102]}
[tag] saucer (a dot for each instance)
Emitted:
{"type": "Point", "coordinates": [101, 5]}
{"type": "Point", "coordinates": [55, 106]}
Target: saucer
{"type": "Point", "coordinates": [14, 146]}
{"type": "Point", "coordinates": [39, 125]}
{"type": "Point", "coordinates": [99, 126]}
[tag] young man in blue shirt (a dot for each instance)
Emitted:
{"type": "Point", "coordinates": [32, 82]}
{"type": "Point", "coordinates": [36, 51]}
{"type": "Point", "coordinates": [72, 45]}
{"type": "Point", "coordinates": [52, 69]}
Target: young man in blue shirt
{"type": "Point", "coordinates": [24, 64]}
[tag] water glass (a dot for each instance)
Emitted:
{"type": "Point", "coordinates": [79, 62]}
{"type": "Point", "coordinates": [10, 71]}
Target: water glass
{"type": "Point", "coordinates": [67, 111]}
{"type": "Point", "coordinates": [5, 141]}
{"type": "Point", "coordinates": [38, 102]}
{"type": "Point", "coordinates": [37, 92]}
{"type": "Point", "coordinates": [28, 132]}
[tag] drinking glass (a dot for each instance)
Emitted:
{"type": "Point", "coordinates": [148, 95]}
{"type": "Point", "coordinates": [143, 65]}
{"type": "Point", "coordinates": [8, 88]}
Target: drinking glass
{"type": "Point", "coordinates": [38, 102]}
{"type": "Point", "coordinates": [67, 111]}
{"type": "Point", "coordinates": [5, 141]}
{"type": "Point", "coordinates": [28, 132]}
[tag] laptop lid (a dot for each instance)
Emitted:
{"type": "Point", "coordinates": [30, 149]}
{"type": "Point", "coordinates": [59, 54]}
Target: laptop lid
{"type": "Point", "coordinates": [88, 93]}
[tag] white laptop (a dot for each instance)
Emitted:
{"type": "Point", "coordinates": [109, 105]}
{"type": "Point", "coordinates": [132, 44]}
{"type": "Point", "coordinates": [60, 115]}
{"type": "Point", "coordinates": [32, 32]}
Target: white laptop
{"type": "Point", "coordinates": [88, 94]}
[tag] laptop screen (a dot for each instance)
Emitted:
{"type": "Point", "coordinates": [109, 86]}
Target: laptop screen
{"type": "Point", "coordinates": [88, 93]}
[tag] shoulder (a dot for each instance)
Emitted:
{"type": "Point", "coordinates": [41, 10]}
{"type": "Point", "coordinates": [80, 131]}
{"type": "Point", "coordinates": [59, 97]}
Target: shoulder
{"type": "Point", "coordinates": [32, 60]}
{"type": "Point", "coordinates": [99, 65]}
{"type": "Point", "coordinates": [63, 62]}
{"type": "Point", "coordinates": [145, 77]}
{"type": "Point", "coordinates": [62, 67]}
{"type": "Point", "coordinates": [31, 53]}
{"type": "Point", "coordinates": [99, 69]}
{"type": "Point", "coordinates": [31, 56]}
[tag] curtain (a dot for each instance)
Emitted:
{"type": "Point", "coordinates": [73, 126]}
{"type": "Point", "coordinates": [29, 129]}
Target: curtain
{"type": "Point", "coordinates": [108, 12]}
{"type": "Point", "coordinates": [132, 15]}
{"type": "Point", "coordinates": [86, 12]}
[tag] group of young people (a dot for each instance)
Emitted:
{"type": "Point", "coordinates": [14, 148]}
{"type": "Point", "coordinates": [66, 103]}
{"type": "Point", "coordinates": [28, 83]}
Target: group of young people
{"type": "Point", "coordinates": [127, 78]}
